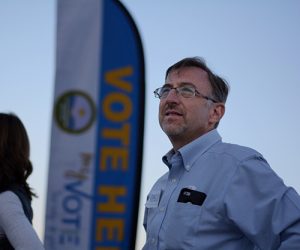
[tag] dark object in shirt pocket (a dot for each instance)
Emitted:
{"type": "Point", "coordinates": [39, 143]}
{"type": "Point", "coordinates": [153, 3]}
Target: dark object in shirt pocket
{"type": "Point", "coordinates": [188, 195]}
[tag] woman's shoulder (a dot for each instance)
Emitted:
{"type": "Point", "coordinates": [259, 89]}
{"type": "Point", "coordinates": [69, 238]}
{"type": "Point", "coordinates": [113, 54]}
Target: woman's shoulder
{"type": "Point", "coordinates": [8, 194]}
{"type": "Point", "coordinates": [9, 200]}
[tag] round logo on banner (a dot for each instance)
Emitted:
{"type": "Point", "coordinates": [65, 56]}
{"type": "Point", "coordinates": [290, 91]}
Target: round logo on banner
{"type": "Point", "coordinates": [75, 112]}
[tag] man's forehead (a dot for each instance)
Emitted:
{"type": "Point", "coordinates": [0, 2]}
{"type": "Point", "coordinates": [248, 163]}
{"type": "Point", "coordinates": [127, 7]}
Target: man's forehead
{"type": "Point", "coordinates": [188, 74]}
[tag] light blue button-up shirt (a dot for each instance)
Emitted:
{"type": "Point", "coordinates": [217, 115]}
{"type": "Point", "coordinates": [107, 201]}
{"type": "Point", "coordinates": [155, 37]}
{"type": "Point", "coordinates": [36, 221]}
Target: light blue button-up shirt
{"type": "Point", "coordinates": [247, 206]}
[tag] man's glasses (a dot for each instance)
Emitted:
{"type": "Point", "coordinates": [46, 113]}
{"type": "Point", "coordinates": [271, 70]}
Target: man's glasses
{"type": "Point", "coordinates": [184, 91]}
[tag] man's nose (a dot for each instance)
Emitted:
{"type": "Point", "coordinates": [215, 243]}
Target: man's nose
{"type": "Point", "coordinates": [172, 95]}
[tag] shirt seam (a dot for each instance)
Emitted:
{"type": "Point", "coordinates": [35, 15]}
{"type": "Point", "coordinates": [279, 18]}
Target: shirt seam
{"type": "Point", "coordinates": [238, 166]}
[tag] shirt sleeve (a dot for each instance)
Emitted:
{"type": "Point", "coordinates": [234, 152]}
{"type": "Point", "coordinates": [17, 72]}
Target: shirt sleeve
{"type": "Point", "coordinates": [262, 207]}
{"type": "Point", "coordinates": [15, 224]}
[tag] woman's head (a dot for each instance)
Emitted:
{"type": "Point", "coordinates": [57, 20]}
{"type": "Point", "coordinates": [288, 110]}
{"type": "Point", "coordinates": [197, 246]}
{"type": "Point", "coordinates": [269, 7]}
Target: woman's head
{"type": "Point", "coordinates": [15, 166]}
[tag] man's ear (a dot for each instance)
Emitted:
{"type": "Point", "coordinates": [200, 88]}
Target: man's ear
{"type": "Point", "coordinates": [216, 112]}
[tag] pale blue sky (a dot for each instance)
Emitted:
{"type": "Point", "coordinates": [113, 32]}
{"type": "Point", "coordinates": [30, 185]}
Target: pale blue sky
{"type": "Point", "coordinates": [254, 45]}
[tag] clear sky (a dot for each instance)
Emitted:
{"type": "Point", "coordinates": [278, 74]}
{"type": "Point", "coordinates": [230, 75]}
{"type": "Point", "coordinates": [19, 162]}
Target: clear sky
{"type": "Point", "coordinates": [254, 45]}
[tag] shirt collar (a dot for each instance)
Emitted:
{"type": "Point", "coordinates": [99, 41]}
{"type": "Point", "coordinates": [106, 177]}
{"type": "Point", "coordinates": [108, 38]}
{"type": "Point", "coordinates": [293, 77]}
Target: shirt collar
{"type": "Point", "coordinates": [194, 149]}
{"type": "Point", "coordinates": [168, 156]}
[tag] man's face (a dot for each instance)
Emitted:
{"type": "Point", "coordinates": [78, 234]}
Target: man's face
{"type": "Point", "coordinates": [185, 119]}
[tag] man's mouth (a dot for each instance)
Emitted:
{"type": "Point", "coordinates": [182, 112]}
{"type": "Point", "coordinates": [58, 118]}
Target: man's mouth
{"type": "Point", "coordinates": [172, 113]}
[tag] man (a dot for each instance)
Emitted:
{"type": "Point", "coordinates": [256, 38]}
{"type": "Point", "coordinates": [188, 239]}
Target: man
{"type": "Point", "coordinates": [215, 195]}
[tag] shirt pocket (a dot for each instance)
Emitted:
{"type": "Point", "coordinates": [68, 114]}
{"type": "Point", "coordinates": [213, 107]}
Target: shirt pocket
{"type": "Point", "coordinates": [186, 211]}
{"type": "Point", "coordinates": [182, 225]}
{"type": "Point", "coordinates": [151, 207]}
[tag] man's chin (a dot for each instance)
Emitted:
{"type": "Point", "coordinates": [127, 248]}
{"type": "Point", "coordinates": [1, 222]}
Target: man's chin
{"type": "Point", "coordinates": [172, 131]}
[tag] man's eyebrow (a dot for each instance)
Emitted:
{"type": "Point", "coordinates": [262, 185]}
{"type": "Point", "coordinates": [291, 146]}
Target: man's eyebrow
{"type": "Point", "coordinates": [180, 84]}
{"type": "Point", "coordinates": [187, 83]}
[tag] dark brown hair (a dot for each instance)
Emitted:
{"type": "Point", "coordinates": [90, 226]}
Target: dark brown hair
{"type": "Point", "coordinates": [15, 166]}
{"type": "Point", "coordinates": [220, 87]}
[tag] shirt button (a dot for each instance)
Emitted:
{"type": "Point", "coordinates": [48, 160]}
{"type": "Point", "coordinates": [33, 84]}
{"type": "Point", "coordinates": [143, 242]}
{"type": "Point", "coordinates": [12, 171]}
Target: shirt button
{"type": "Point", "coordinates": [174, 180]}
{"type": "Point", "coordinates": [162, 209]}
{"type": "Point", "coordinates": [152, 241]}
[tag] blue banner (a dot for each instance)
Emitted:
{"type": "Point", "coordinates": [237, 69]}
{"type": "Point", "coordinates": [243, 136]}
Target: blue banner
{"type": "Point", "coordinates": [120, 132]}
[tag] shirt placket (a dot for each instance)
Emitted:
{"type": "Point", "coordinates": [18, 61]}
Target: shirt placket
{"type": "Point", "coordinates": [175, 174]}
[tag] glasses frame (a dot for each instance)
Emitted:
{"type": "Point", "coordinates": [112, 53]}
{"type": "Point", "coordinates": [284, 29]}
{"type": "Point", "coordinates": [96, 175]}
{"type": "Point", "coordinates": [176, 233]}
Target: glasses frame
{"type": "Point", "coordinates": [196, 93]}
